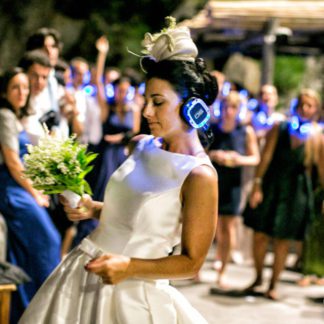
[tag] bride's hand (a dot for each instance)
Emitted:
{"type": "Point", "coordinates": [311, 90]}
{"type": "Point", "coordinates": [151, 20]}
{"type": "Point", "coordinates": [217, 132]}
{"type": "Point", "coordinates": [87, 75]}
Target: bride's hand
{"type": "Point", "coordinates": [112, 268]}
{"type": "Point", "coordinates": [83, 211]}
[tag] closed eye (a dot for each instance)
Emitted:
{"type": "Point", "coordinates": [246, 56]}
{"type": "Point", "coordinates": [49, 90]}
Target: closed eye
{"type": "Point", "coordinates": [158, 103]}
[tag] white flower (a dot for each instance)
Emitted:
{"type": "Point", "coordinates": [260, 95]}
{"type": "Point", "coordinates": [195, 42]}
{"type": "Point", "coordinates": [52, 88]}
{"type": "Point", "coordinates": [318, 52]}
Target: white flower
{"type": "Point", "coordinates": [55, 165]}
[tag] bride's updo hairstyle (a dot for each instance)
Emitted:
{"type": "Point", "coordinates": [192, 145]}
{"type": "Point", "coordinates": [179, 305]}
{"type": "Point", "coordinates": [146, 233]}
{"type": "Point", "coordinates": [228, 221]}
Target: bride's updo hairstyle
{"type": "Point", "coordinates": [172, 56]}
{"type": "Point", "coordinates": [189, 79]}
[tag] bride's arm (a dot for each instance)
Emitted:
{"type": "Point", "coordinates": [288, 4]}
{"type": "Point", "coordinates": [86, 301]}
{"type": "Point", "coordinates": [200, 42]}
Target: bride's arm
{"type": "Point", "coordinates": [200, 200]}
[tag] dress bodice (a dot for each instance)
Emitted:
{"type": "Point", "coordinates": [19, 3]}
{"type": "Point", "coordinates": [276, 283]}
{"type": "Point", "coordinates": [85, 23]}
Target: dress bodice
{"type": "Point", "coordinates": [229, 141]}
{"type": "Point", "coordinates": [141, 216]}
{"type": "Point", "coordinates": [286, 160]}
{"type": "Point", "coordinates": [234, 140]}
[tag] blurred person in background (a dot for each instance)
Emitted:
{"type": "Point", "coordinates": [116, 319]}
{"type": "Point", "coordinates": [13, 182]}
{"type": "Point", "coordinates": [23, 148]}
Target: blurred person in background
{"type": "Point", "coordinates": [49, 41]}
{"type": "Point", "coordinates": [234, 146]}
{"type": "Point", "coordinates": [312, 256]}
{"type": "Point", "coordinates": [33, 241]}
{"type": "Point", "coordinates": [280, 204]}
{"type": "Point", "coordinates": [122, 121]}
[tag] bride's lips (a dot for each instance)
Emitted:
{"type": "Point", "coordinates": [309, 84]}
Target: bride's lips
{"type": "Point", "coordinates": [152, 124]}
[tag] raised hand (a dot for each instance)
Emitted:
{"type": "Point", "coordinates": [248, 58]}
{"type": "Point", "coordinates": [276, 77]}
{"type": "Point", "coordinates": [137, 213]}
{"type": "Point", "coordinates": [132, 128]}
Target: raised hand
{"type": "Point", "coordinates": [102, 44]}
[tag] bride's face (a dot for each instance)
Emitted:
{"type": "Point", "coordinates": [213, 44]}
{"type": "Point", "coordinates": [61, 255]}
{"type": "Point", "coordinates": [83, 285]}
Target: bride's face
{"type": "Point", "coordinates": [161, 109]}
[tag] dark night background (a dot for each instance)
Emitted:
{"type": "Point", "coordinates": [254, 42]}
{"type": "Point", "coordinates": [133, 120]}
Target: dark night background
{"type": "Point", "coordinates": [82, 22]}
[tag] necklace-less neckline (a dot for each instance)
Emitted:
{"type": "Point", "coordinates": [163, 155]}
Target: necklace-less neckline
{"type": "Point", "coordinates": [158, 142]}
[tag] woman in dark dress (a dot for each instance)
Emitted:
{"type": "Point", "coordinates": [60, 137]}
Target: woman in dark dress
{"type": "Point", "coordinates": [280, 204]}
{"type": "Point", "coordinates": [234, 146]}
{"type": "Point", "coordinates": [33, 241]}
{"type": "Point", "coordinates": [313, 249]}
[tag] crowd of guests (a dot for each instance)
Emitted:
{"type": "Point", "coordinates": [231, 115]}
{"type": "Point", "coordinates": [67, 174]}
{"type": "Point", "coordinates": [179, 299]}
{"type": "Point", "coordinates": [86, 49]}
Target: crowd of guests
{"type": "Point", "coordinates": [268, 163]}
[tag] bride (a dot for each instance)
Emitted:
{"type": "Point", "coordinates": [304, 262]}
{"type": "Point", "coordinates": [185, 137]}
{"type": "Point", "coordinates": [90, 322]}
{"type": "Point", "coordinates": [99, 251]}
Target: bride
{"type": "Point", "coordinates": [163, 196]}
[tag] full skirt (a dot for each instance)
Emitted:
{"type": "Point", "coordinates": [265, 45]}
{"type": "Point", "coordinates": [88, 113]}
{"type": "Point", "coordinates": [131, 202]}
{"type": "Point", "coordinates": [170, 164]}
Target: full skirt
{"type": "Point", "coordinates": [73, 295]}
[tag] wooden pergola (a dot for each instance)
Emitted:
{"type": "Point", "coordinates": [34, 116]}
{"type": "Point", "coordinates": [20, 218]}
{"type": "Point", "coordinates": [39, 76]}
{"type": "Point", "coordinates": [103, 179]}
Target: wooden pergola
{"type": "Point", "coordinates": [259, 29]}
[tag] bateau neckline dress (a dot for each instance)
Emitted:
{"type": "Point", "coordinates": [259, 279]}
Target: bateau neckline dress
{"type": "Point", "coordinates": [141, 218]}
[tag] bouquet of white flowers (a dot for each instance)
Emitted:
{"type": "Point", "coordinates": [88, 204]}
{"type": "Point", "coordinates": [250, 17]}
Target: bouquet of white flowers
{"type": "Point", "coordinates": [59, 166]}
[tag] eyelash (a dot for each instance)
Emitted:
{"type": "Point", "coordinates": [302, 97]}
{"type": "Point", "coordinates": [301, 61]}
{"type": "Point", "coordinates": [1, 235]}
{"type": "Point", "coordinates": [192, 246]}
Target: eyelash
{"type": "Point", "coordinates": [157, 104]}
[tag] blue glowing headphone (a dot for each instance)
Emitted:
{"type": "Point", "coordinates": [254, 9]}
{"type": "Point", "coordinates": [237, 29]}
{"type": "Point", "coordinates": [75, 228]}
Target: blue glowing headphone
{"type": "Point", "coordinates": [195, 113]}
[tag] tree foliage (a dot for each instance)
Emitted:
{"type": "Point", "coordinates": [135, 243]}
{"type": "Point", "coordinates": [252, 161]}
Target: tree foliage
{"type": "Point", "coordinates": [81, 23]}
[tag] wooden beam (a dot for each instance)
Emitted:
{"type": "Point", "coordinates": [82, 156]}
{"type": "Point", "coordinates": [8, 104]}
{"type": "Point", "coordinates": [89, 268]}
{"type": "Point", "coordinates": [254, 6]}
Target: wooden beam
{"type": "Point", "coordinates": [252, 15]}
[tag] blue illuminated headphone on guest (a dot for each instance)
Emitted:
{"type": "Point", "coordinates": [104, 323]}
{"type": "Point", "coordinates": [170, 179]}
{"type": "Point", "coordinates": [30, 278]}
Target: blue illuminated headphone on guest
{"type": "Point", "coordinates": [86, 77]}
{"type": "Point", "coordinates": [301, 125]}
{"type": "Point", "coordinates": [261, 118]}
{"type": "Point", "coordinates": [110, 90]}
{"type": "Point", "coordinates": [90, 90]}
{"type": "Point", "coordinates": [240, 100]}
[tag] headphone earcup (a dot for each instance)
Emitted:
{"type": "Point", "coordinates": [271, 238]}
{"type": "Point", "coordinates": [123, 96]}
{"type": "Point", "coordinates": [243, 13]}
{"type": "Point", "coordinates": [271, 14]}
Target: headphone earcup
{"type": "Point", "coordinates": [195, 112]}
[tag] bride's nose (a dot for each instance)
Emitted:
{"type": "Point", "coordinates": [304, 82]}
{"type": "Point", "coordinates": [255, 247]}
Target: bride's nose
{"type": "Point", "coordinates": [148, 110]}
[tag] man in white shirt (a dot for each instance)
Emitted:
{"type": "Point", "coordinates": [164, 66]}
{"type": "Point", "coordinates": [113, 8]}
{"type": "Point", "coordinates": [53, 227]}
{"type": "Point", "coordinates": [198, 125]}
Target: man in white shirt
{"type": "Point", "coordinates": [37, 66]}
{"type": "Point", "coordinates": [48, 40]}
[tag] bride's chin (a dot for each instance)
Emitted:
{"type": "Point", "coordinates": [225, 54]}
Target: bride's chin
{"type": "Point", "coordinates": [155, 133]}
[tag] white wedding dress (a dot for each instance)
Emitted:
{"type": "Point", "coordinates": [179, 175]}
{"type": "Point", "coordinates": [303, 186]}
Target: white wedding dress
{"type": "Point", "coordinates": [141, 218]}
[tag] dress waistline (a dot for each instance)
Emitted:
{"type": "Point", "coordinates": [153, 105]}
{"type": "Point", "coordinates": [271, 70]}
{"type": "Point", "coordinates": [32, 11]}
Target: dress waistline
{"type": "Point", "coordinates": [91, 249]}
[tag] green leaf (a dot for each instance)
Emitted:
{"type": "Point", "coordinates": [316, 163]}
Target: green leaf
{"type": "Point", "coordinates": [91, 157]}
{"type": "Point", "coordinates": [87, 188]}
{"type": "Point", "coordinates": [85, 172]}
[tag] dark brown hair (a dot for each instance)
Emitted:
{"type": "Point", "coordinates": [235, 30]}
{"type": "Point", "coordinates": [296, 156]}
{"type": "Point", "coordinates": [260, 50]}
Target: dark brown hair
{"type": "Point", "coordinates": [5, 78]}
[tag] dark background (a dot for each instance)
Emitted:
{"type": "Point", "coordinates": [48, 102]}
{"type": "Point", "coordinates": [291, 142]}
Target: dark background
{"type": "Point", "coordinates": [81, 22]}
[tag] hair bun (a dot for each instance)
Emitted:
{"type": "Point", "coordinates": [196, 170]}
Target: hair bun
{"type": "Point", "coordinates": [200, 65]}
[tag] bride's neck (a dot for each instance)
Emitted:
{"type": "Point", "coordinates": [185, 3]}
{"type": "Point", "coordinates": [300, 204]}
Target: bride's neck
{"type": "Point", "coordinates": [187, 144]}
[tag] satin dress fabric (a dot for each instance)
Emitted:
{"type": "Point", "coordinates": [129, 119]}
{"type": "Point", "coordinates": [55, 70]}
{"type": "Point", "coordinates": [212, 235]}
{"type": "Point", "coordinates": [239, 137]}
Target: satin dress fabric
{"type": "Point", "coordinates": [141, 218]}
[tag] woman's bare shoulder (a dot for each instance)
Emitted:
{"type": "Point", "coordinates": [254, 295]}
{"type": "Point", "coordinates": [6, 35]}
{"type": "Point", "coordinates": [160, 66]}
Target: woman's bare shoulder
{"type": "Point", "coordinates": [203, 176]}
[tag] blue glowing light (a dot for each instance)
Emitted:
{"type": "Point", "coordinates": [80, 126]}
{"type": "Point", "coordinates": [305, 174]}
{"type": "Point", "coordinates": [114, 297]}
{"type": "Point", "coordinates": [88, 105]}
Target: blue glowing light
{"type": "Point", "coordinates": [305, 128]}
{"type": "Point", "coordinates": [244, 93]}
{"type": "Point", "coordinates": [130, 93]}
{"type": "Point", "coordinates": [86, 77]}
{"type": "Point", "coordinates": [300, 128]}
{"type": "Point", "coordinates": [294, 122]}
{"type": "Point", "coordinates": [216, 109]}
{"type": "Point", "coordinates": [270, 121]}
{"type": "Point", "coordinates": [90, 90]}
{"type": "Point", "coordinates": [110, 91]}
{"type": "Point", "coordinates": [243, 112]}
{"type": "Point", "coordinates": [196, 113]}
{"type": "Point", "coordinates": [141, 88]}
{"type": "Point", "coordinates": [293, 105]}
{"type": "Point", "coordinates": [226, 88]}
{"type": "Point", "coordinates": [252, 104]}
{"type": "Point", "coordinates": [261, 117]}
